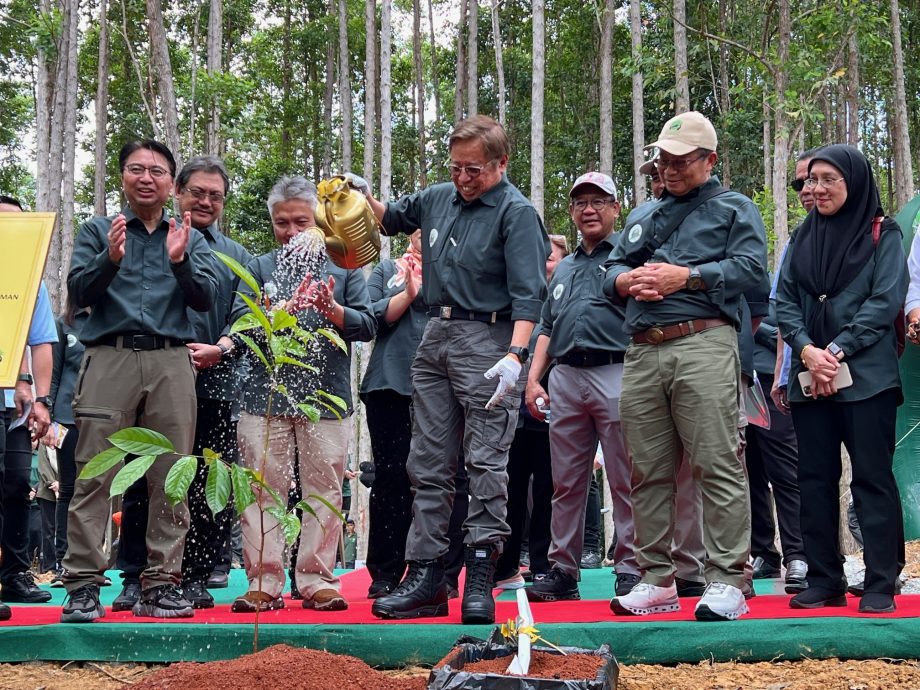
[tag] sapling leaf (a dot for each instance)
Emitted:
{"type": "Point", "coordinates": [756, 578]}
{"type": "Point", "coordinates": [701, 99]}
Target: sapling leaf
{"type": "Point", "coordinates": [243, 495]}
{"type": "Point", "coordinates": [179, 479]}
{"type": "Point", "coordinates": [102, 462]}
{"type": "Point", "coordinates": [130, 473]}
{"type": "Point", "coordinates": [239, 271]}
{"type": "Point", "coordinates": [140, 441]}
{"type": "Point", "coordinates": [217, 487]}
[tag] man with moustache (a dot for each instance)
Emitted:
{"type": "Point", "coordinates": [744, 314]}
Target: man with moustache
{"type": "Point", "coordinates": [139, 271]}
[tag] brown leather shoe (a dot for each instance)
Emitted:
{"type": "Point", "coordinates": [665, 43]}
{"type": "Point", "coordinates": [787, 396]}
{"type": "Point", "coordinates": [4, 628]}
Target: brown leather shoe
{"type": "Point", "coordinates": [325, 600]}
{"type": "Point", "coordinates": [252, 601]}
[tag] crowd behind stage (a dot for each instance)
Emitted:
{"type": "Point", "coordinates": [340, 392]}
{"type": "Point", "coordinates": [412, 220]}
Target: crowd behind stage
{"type": "Point", "coordinates": [507, 369]}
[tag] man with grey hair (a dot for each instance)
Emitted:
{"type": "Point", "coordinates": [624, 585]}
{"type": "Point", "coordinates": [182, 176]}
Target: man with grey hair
{"type": "Point", "coordinates": [301, 280]}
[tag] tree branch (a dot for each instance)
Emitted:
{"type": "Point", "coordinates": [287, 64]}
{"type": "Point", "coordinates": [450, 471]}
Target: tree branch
{"type": "Point", "coordinates": [137, 69]}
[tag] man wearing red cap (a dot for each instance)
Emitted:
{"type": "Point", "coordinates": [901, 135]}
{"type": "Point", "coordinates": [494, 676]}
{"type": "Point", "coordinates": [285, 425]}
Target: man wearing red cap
{"type": "Point", "coordinates": [681, 269]}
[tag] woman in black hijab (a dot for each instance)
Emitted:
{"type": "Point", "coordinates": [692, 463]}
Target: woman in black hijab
{"type": "Point", "coordinates": [841, 287]}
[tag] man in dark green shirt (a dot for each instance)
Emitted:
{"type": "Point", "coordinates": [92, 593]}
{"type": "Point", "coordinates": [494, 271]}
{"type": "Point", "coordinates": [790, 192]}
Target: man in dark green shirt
{"type": "Point", "coordinates": [583, 331]}
{"type": "Point", "coordinates": [682, 290]}
{"type": "Point", "coordinates": [483, 277]}
{"type": "Point", "coordinates": [140, 271]}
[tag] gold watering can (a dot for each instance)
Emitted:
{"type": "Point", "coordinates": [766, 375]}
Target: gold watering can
{"type": "Point", "coordinates": [350, 228]}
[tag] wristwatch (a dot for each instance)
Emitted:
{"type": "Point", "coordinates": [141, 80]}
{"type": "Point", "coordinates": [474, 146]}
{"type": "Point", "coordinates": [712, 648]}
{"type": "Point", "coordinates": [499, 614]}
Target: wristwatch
{"type": "Point", "coordinates": [25, 377]}
{"type": "Point", "coordinates": [835, 350]}
{"type": "Point", "coordinates": [224, 350]}
{"type": "Point", "coordinates": [522, 353]}
{"type": "Point", "coordinates": [44, 400]}
{"type": "Point", "coordinates": [694, 280]}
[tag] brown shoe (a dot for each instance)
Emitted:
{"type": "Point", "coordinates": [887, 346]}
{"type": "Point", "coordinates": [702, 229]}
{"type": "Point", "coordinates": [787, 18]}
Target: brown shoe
{"type": "Point", "coordinates": [326, 600]}
{"type": "Point", "coordinates": [253, 601]}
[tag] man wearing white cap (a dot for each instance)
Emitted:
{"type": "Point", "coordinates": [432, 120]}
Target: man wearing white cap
{"type": "Point", "coordinates": [681, 269]}
{"type": "Point", "coordinates": [583, 331]}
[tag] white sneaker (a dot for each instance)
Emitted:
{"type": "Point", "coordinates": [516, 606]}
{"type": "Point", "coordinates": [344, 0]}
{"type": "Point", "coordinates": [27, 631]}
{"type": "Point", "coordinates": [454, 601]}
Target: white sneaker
{"type": "Point", "coordinates": [721, 602]}
{"type": "Point", "coordinates": [645, 599]}
{"type": "Point", "coordinates": [516, 581]}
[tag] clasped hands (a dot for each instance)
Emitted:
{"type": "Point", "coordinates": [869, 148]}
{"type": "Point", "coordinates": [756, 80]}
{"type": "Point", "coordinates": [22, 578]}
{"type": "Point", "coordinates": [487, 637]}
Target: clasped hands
{"type": "Point", "coordinates": [824, 368]}
{"type": "Point", "coordinates": [653, 282]}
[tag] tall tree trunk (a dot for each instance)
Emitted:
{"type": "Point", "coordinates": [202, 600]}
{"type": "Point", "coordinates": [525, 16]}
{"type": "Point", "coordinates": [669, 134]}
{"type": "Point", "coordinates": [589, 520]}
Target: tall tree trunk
{"type": "Point", "coordinates": [781, 126]}
{"type": "Point", "coordinates": [536, 106]}
{"type": "Point", "coordinates": [419, 90]}
{"type": "Point", "coordinates": [767, 143]}
{"type": "Point", "coordinates": [214, 65]}
{"type": "Point", "coordinates": [472, 70]}
{"type": "Point", "coordinates": [102, 113]}
{"type": "Point", "coordinates": [58, 286]}
{"type": "Point", "coordinates": [853, 88]}
{"type": "Point", "coordinates": [638, 114]}
{"type": "Point", "coordinates": [681, 71]}
{"type": "Point", "coordinates": [903, 169]}
{"type": "Point", "coordinates": [327, 99]}
{"type": "Point", "coordinates": [499, 62]}
{"type": "Point", "coordinates": [724, 93]}
{"type": "Point", "coordinates": [386, 112]}
{"type": "Point", "coordinates": [162, 70]}
{"type": "Point", "coordinates": [435, 79]}
{"type": "Point", "coordinates": [460, 82]}
{"type": "Point", "coordinates": [193, 105]}
{"type": "Point", "coordinates": [605, 129]}
{"type": "Point", "coordinates": [344, 85]}
{"type": "Point", "coordinates": [286, 80]}
{"type": "Point", "coordinates": [44, 108]}
{"type": "Point", "coordinates": [370, 88]}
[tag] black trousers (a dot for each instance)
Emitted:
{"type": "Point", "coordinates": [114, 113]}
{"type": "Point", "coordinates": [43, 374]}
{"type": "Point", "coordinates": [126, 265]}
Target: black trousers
{"type": "Point", "coordinates": [529, 471]}
{"type": "Point", "coordinates": [772, 461]}
{"type": "Point", "coordinates": [867, 429]}
{"type": "Point", "coordinates": [592, 534]}
{"type": "Point", "coordinates": [49, 536]}
{"type": "Point", "coordinates": [67, 477]}
{"type": "Point", "coordinates": [15, 473]}
{"type": "Point", "coordinates": [389, 423]}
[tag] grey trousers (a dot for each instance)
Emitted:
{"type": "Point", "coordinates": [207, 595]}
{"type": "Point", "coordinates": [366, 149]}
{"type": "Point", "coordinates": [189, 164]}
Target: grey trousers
{"type": "Point", "coordinates": [449, 397]}
{"type": "Point", "coordinates": [585, 411]}
{"type": "Point", "coordinates": [119, 388]}
{"type": "Point", "coordinates": [683, 394]}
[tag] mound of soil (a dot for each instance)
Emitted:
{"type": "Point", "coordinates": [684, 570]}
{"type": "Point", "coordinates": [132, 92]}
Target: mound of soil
{"type": "Point", "coordinates": [279, 666]}
{"type": "Point", "coordinates": [543, 665]}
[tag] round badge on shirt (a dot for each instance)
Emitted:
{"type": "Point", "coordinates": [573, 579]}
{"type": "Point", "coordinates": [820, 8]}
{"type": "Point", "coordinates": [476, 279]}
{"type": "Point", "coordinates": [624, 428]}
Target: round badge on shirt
{"type": "Point", "coordinates": [432, 237]}
{"type": "Point", "coordinates": [71, 340]}
{"type": "Point", "coordinates": [558, 290]}
{"type": "Point", "coordinates": [635, 232]}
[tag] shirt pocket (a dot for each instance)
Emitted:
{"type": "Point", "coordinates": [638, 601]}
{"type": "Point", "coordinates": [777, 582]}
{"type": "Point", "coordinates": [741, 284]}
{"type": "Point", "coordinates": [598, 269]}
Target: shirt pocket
{"type": "Point", "coordinates": [479, 251]}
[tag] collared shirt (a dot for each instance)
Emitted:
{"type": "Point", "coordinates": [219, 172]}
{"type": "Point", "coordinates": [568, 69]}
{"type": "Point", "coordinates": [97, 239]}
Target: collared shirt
{"type": "Point", "coordinates": [397, 342]}
{"type": "Point", "coordinates": [218, 382]}
{"type": "Point", "coordinates": [146, 292]}
{"type": "Point", "coordinates": [577, 315]}
{"type": "Point", "coordinates": [485, 255]}
{"type": "Point", "coordinates": [333, 366]}
{"type": "Point", "coordinates": [724, 238]}
{"type": "Point", "coordinates": [787, 351]}
{"type": "Point", "coordinates": [41, 332]}
{"type": "Point", "coordinates": [68, 356]}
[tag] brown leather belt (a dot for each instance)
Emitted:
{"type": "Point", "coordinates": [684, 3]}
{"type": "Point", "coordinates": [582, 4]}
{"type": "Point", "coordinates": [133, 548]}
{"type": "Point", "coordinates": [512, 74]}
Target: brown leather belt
{"type": "Point", "coordinates": [661, 334]}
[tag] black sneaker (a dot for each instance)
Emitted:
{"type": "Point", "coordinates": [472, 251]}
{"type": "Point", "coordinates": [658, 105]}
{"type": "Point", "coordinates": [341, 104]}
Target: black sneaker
{"type": "Point", "coordinates": [21, 588]}
{"type": "Point", "coordinates": [130, 593]}
{"type": "Point", "coordinates": [625, 584]}
{"type": "Point", "coordinates": [218, 580]}
{"type": "Point", "coordinates": [163, 601]}
{"type": "Point", "coordinates": [5, 612]}
{"type": "Point", "coordinates": [590, 560]}
{"type": "Point", "coordinates": [556, 586]}
{"type": "Point", "coordinates": [198, 594]}
{"type": "Point", "coordinates": [689, 588]}
{"type": "Point", "coordinates": [380, 588]}
{"type": "Point", "coordinates": [82, 605]}
{"type": "Point", "coordinates": [58, 579]}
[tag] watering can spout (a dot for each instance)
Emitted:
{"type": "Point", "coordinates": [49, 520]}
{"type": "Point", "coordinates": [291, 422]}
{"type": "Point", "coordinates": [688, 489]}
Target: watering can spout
{"type": "Point", "coordinates": [349, 225]}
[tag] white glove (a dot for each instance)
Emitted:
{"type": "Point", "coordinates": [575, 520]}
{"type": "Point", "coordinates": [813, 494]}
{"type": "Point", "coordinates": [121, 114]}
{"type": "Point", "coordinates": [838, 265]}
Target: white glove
{"type": "Point", "coordinates": [508, 369]}
{"type": "Point", "coordinates": [357, 183]}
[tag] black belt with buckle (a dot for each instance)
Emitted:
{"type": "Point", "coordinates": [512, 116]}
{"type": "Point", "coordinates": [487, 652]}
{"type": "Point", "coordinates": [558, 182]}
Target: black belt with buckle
{"type": "Point", "coordinates": [466, 315]}
{"type": "Point", "coordinates": [137, 342]}
{"type": "Point", "coordinates": [593, 358]}
{"type": "Point", "coordinates": [662, 334]}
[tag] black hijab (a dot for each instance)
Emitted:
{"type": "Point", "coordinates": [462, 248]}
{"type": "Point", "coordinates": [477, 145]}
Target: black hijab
{"type": "Point", "coordinates": [830, 251]}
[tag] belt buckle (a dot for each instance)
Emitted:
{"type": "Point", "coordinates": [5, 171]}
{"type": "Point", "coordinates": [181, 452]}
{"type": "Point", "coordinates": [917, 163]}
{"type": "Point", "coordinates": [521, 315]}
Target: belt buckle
{"type": "Point", "coordinates": [654, 335]}
{"type": "Point", "coordinates": [446, 312]}
{"type": "Point", "coordinates": [134, 341]}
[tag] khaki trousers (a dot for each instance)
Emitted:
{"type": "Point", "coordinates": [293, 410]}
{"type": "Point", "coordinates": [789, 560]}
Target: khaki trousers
{"type": "Point", "coordinates": [683, 394]}
{"type": "Point", "coordinates": [119, 388]}
{"type": "Point", "coordinates": [322, 450]}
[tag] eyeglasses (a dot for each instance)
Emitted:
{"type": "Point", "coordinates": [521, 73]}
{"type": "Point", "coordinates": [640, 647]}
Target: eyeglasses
{"type": "Point", "coordinates": [678, 164]}
{"type": "Point", "coordinates": [797, 185]}
{"type": "Point", "coordinates": [200, 194]}
{"type": "Point", "coordinates": [155, 171]}
{"type": "Point", "coordinates": [596, 204]}
{"type": "Point", "coordinates": [825, 182]}
{"type": "Point", "coordinates": [470, 170]}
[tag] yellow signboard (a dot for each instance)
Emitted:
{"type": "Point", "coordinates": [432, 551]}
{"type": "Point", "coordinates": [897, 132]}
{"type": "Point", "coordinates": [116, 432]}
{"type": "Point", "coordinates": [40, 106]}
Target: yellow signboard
{"type": "Point", "coordinates": [24, 240]}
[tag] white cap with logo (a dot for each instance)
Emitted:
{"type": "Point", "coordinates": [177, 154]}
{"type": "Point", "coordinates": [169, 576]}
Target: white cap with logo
{"type": "Point", "coordinates": [596, 179]}
{"type": "Point", "coordinates": [685, 133]}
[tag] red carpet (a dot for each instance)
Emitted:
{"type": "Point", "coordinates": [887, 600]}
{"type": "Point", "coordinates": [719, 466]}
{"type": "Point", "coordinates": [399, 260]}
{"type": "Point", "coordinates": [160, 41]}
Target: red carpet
{"type": "Point", "coordinates": [355, 584]}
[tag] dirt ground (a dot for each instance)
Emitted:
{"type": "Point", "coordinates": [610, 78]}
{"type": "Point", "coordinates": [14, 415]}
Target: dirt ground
{"type": "Point", "coordinates": [830, 674]}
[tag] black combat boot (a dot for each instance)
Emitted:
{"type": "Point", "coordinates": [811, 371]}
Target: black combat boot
{"type": "Point", "coordinates": [478, 605]}
{"type": "Point", "coordinates": [421, 594]}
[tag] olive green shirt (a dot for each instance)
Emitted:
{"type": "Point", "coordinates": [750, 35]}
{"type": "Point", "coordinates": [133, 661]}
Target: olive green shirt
{"type": "Point", "coordinates": [577, 315]}
{"type": "Point", "coordinates": [485, 255]}
{"type": "Point", "coordinates": [146, 292]}
{"type": "Point", "coordinates": [724, 238]}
